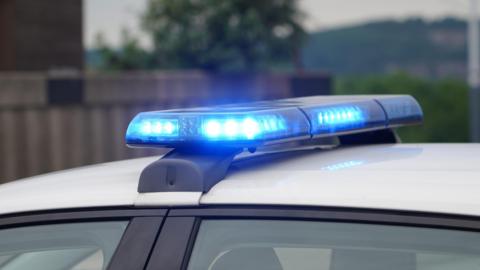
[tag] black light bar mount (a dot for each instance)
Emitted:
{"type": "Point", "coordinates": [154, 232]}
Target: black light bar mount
{"type": "Point", "coordinates": [194, 170]}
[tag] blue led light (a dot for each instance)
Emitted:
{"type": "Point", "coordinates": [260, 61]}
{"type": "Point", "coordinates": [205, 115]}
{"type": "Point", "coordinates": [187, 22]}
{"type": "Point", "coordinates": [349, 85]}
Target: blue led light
{"type": "Point", "coordinates": [338, 118]}
{"type": "Point", "coordinates": [231, 128]}
{"type": "Point", "coordinates": [156, 127]}
{"type": "Point", "coordinates": [340, 115]}
{"type": "Point", "coordinates": [151, 129]}
{"type": "Point", "coordinates": [247, 128]}
{"type": "Point", "coordinates": [250, 128]}
{"type": "Point", "coordinates": [212, 129]}
{"type": "Point", "coordinates": [353, 116]}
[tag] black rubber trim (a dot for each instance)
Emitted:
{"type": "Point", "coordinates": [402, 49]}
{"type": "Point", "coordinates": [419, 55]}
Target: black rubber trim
{"type": "Point", "coordinates": [173, 244]}
{"type": "Point", "coordinates": [136, 244]}
{"type": "Point", "coordinates": [71, 215]}
{"type": "Point", "coordinates": [392, 217]}
{"type": "Point", "coordinates": [187, 170]}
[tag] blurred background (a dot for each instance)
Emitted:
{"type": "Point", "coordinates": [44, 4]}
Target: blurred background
{"type": "Point", "coordinates": [74, 72]}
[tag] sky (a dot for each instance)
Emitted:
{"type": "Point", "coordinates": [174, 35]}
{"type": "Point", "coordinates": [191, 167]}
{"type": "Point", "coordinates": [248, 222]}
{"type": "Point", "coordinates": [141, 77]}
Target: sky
{"type": "Point", "coordinates": [110, 16]}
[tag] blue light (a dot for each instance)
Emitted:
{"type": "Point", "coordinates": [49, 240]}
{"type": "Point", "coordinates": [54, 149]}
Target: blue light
{"type": "Point", "coordinates": [231, 128]}
{"type": "Point", "coordinates": [336, 117]}
{"type": "Point", "coordinates": [273, 124]}
{"type": "Point", "coordinates": [146, 128]}
{"type": "Point", "coordinates": [158, 127]}
{"type": "Point", "coordinates": [330, 119]}
{"type": "Point", "coordinates": [213, 129]}
{"type": "Point", "coordinates": [247, 128]}
{"type": "Point", "coordinates": [169, 128]}
{"type": "Point", "coordinates": [150, 129]}
{"type": "Point", "coordinates": [250, 128]}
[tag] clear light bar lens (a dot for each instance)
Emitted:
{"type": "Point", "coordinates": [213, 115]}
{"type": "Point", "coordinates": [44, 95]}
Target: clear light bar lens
{"type": "Point", "coordinates": [401, 110]}
{"type": "Point", "coordinates": [331, 119]}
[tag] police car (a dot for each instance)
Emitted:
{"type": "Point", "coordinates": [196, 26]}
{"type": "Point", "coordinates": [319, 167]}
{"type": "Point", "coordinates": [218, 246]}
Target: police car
{"type": "Point", "coordinates": [296, 184]}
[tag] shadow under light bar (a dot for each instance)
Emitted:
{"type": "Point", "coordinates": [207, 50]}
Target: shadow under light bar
{"type": "Point", "coordinates": [267, 122]}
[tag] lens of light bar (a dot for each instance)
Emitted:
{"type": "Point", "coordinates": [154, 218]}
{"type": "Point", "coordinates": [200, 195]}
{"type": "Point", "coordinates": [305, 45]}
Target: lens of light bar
{"type": "Point", "coordinates": [401, 110]}
{"type": "Point", "coordinates": [338, 118]}
{"type": "Point", "coordinates": [148, 130]}
{"type": "Point", "coordinates": [156, 127]}
{"type": "Point", "coordinates": [341, 115]}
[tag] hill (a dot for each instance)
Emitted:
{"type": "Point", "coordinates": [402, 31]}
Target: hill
{"type": "Point", "coordinates": [428, 49]}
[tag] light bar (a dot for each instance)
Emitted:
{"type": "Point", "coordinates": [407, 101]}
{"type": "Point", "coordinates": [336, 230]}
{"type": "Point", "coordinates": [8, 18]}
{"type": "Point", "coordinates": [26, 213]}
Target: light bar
{"type": "Point", "coordinates": [255, 124]}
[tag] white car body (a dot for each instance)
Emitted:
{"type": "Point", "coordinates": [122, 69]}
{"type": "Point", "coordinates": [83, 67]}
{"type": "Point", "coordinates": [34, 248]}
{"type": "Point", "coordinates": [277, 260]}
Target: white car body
{"type": "Point", "coordinates": [437, 178]}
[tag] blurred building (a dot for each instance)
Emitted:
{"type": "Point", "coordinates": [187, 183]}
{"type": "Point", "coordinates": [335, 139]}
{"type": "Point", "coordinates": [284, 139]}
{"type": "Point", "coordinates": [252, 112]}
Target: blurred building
{"type": "Point", "coordinates": [40, 35]}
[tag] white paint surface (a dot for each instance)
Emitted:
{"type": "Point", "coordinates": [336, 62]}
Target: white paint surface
{"type": "Point", "coordinates": [442, 178]}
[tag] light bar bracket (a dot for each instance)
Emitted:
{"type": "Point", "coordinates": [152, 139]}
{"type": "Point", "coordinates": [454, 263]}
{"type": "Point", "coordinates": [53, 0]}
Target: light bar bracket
{"type": "Point", "coordinates": [186, 170]}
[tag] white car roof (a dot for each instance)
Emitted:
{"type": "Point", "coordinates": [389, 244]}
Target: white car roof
{"type": "Point", "coordinates": [442, 178]}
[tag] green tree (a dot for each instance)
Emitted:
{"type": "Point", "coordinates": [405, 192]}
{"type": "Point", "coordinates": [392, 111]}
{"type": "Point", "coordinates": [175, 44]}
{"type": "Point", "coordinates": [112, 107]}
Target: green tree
{"type": "Point", "coordinates": [129, 56]}
{"type": "Point", "coordinates": [444, 103]}
{"type": "Point", "coordinates": [219, 35]}
{"type": "Point", "coordinates": [388, 45]}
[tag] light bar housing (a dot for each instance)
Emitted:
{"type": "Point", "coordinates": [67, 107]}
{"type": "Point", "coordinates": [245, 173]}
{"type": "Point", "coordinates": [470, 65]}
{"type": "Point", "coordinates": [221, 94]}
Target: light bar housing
{"type": "Point", "coordinates": [267, 122]}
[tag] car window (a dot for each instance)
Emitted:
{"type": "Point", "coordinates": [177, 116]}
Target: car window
{"type": "Point", "coordinates": [308, 245]}
{"type": "Point", "coordinates": [75, 246]}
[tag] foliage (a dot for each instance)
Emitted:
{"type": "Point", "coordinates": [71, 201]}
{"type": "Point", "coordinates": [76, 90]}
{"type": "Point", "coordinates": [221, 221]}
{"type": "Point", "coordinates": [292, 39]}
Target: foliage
{"type": "Point", "coordinates": [219, 35]}
{"type": "Point", "coordinates": [130, 56]}
{"type": "Point", "coordinates": [444, 102]}
{"type": "Point", "coordinates": [422, 47]}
